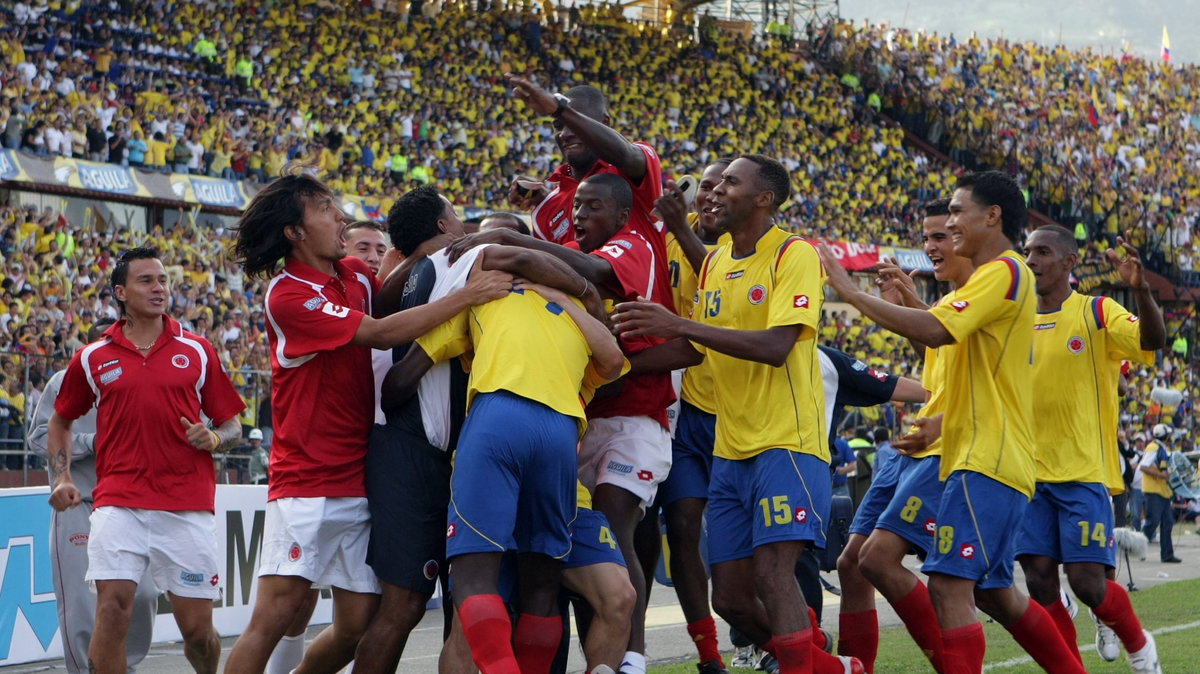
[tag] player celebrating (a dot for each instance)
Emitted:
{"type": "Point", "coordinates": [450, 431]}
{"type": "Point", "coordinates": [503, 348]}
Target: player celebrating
{"type": "Point", "coordinates": [1079, 345]}
{"type": "Point", "coordinates": [320, 333]}
{"type": "Point", "coordinates": [987, 453]}
{"type": "Point", "coordinates": [150, 381]}
{"type": "Point", "coordinates": [759, 303]}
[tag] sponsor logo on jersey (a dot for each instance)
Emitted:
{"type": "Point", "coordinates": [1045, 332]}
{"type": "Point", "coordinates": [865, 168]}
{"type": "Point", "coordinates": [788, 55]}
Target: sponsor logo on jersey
{"type": "Point", "coordinates": [645, 475]}
{"type": "Point", "coordinates": [180, 361]}
{"type": "Point", "coordinates": [735, 274]}
{"type": "Point", "coordinates": [931, 526]}
{"type": "Point", "coordinates": [190, 578]}
{"type": "Point", "coordinates": [757, 294]}
{"type": "Point", "coordinates": [106, 363]}
{"type": "Point", "coordinates": [79, 540]}
{"type": "Point", "coordinates": [1044, 326]}
{"type": "Point", "coordinates": [622, 468]}
{"type": "Point", "coordinates": [1075, 345]}
{"type": "Point", "coordinates": [335, 310]}
{"type": "Point", "coordinates": [1132, 318]}
{"type": "Point", "coordinates": [800, 301]}
{"type": "Point", "coordinates": [451, 530]}
{"type": "Point", "coordinates": [967, 551]}
{"type": "Point", "coordinates": [801, 515]}
{"type": "Point", "coordinates": [314, 303]}
{"type": "Point", "coordinates": [960, 305]}
{"type": "Point", "coordinates": [859, 366]}
{"type": "Point", "coordinates": [111, 376]}
{"type": "Point", "coordinates": [881, 376]}
{"type": "Point", "coordinates": [214, 580]}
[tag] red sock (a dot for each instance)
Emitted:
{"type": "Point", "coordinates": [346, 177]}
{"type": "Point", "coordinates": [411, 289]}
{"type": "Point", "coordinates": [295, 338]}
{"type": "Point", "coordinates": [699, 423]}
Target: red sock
{"type": "Point", "coordinates": [489, 633]}
{"type": "Point", "coordinates": [1116, 612]}
{"type": "Point", "coordinates": [963, 649]}
{"type": "Point", "coordinates": [916, 610]}
{"type": "Point", "coordinates": [769, 647]}
{"type": "Point", "coordinates": [818, 634]}
{"type": "Point", "coordinates": [1066, 626]}
{"type": "Point", "coordinates": [1036, 633]}
{"type": "Point", "coordinates": [536, 642]}
{"type": "Point", "coordinates": [704, 634]}
{"type": "Point", "coordinates": [794, 652]}
{"type": "Point", "coordinates": [858, 636]}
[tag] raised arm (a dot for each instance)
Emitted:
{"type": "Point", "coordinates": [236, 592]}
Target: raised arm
{"type": "Point", "coordinates": [591, 267]}
{"type": "Point", "coordinates": [1150, 319]}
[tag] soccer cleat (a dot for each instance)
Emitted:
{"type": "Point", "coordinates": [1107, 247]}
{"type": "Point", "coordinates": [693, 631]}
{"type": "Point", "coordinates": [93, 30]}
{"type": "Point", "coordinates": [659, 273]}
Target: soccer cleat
{"type": "Point", "coordinates": [743, 657]}
{"type": "Point", "coordinates": [1072, 607]}
{"type": "Point", "coordinates": [711, 667]}
{"type": "Point", "coordinates": [1145, 661]}
{"type": "Point", "coordinates": [767, 663]}
{"type": "Point", "coordinates": [828, 641]}
{"type": "Point", "coordinates": [1108, 646]}
{"type": "Point", "coordinates": [852, 665]}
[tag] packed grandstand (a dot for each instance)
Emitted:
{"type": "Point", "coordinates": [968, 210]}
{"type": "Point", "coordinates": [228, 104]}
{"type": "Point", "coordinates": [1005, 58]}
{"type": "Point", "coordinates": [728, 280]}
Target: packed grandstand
{"type": "Point", "coordinates": [382, 97]}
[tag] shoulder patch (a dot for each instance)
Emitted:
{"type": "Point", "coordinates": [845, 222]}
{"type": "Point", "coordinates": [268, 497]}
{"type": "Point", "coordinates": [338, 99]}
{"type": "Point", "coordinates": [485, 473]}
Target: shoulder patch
{"type": "Point", "coordinates": [314, 303]}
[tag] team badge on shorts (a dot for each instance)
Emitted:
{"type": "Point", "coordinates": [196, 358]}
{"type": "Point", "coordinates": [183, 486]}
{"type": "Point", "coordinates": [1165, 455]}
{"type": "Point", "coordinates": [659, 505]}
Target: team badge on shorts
{"type": "Point", "coordinates": [757, 294]}
{"type": "Point", "coordinates": [801, 515]}
{"type": "Point", "coordinates": [430, 570]}
{"type": "Point", "coordinates": [180, 361]}
{"type": "Point", "coordinates": [294, 553]}
{"type": "Point", "coordinates": [967, 551]}
{"type": "Point", "coordinates": [1075, 345]}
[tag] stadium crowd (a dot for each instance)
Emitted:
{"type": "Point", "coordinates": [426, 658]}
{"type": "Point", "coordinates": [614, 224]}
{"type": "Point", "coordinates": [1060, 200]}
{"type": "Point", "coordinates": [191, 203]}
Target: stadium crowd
{"type": "Point", "coordinates": [1099, 137]}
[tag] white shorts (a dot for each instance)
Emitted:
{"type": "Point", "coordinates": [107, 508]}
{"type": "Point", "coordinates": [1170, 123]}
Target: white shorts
{"type": "Point", "coordinates": [633, 453]}
{"type": "Point", "coordinates": [179, 547]}
{"type": "Point", "coordinates": [321, 539]}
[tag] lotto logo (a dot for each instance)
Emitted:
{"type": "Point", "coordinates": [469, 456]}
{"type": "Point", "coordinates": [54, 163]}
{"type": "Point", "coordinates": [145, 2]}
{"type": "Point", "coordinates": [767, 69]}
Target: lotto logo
{"type": "Point", "coordinates": [930, 526]}
{"type": "Point", "coordinates": [645, 475]}
{"type": "Point", "coordinates": [1132, 318]}
{"type": "Point", "coordinates": [960, 305]}
{"type": "Point", "coordinates": [967, 551]}
{"type": "Point", "coordinates": [881, 376]}
{"type": "Point", "coordinates": [214, 580]}
{"type": "Point", "coordinates": [295, 552]}
{"type": "Point", "coordinates": [451, 530]}
{"type": "Point", "coordinates": [800, 301]}
{"type": "Point", "coordinates": [801, 515]}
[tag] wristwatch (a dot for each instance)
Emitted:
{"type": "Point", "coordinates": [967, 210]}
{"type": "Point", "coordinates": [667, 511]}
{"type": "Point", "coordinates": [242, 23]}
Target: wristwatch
{"type": "Point", "coordinates": [563, 102]}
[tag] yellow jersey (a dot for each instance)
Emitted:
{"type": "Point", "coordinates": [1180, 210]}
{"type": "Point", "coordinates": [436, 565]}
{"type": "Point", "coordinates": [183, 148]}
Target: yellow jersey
{"type": "Point", "coordinates": [933, 379]}
{"type": "Point", "coordinates": [697, 381]}
{"type": "Point", "coordinates": [988, 428]}
{"type": "Point", "coordinates": [1077, 354]}
{"type": "Point", "coordinates": [1150, 483]}
{"type": "Point", "coordinates": [763, 407]}
{"type": "Point", "coordinates": [583, 497]}
{"type": "Point", "coordinates": [560, 378]}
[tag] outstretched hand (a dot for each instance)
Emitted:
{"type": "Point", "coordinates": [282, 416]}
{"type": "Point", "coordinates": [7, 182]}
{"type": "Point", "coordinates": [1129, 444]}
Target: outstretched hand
{"type": "Point", "coordinates": [644, 317]}
{"type": "Point", "coordinates": [837, 277]}
{"type": "Point", "coordinates": [1130, 266]}
{"type": "Point", "coordinates": [539, 100]}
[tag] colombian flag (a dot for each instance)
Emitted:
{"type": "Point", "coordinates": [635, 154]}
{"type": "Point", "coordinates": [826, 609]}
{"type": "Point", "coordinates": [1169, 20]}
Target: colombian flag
{"type": "Point", "coordinates": [1093, 111]}
{"type": "Point", "coordinates": [1166, 46]}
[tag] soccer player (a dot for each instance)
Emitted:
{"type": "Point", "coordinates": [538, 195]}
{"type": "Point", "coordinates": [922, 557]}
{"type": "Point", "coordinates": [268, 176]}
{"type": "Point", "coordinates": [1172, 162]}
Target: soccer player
{"type": "Point", "coordinates": [408, 460]}
{"type": "Point", "coordinates": [987, 451]}
{"type": "Point", "coordinates": [900, 509]}
{"type": "Point", "coordinates": [513, 485]}
{"type": "Point", "coordinates": [149, 381]}
{"type": "Point", "coordinates": [684, 494]}
{"type": "Point", "coordinates": [321, 332]}
{"type": "Point", "coordinates": [76, 602]}
{"type": "Point", "coordinates": [503, 219]}
{"type": "Point", "coordinates": [1079, 345]}
{"type": "Point", "coordinates": [365, 241]}
{"type": "Point", "coordinates": [759, 304]}
{"type": "Point", "coordinates": [626, 451]}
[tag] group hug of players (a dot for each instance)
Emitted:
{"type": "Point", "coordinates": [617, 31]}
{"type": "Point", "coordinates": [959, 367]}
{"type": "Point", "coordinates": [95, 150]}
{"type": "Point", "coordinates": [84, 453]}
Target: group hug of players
{"type": "Point", "coordinates": [525, 398]}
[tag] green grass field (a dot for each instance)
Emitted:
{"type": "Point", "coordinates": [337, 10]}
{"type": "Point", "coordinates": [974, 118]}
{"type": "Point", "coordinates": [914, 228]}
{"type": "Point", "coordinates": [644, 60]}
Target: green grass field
{"type": "Point", "coordinates": [1162, 607]}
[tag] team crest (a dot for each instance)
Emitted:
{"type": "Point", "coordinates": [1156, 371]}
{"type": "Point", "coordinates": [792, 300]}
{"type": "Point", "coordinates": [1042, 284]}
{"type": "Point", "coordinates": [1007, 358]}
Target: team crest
{"type": "Point", "coordinates": [431, 569]}
{"type": "Point", "coordinates": [295, 552]}
{"type": "Point", "coordinates": [757, 294]}
{"type": "Point", "coordinates": [1075, 345]}
{"type": "Point", "coordinates": [180, 361]}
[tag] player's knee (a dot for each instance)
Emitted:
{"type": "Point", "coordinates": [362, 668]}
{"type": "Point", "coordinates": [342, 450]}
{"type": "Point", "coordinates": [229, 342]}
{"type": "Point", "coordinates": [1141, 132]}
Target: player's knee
{"type": "Point", "coordinates": [733, 607]}
{"type": "Point", "coordinates": [114, 611]}
{"type": "Point", "coordinates": [197, 632]}
{"type": "Point", "coordinates": [1088, 585]}
{"type": "Point", "coordinates": [616, 603]}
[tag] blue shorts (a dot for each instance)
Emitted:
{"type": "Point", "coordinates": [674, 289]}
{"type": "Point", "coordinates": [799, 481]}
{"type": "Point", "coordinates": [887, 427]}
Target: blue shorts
{"type": "Point", "coordinates": [912, 514]}
{"type": "Point", "coordinates": [775, 496]}
{"type": "Point", "coordinates": [513, 485]}
{"type": "Point", "coordinates": [1069, 522]}
{"type": "Point", "coordinates": [691, 456]}
{"type": "Point", "coordinates": [592, 541]}
{"type": "Point", "coordinates": [883, 484]}
{"type": "Point", "coordinates": [978, 522]}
